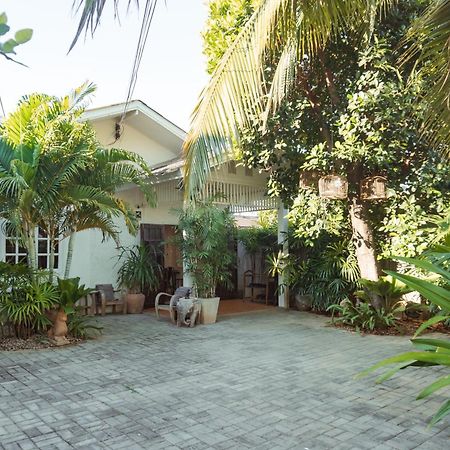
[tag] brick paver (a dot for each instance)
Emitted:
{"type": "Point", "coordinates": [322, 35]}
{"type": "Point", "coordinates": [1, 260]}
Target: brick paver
{"type": "Point", "coordinates": [265, 380]}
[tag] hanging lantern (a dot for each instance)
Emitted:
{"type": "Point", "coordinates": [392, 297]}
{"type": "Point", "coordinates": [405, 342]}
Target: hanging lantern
{"type": "Point", "coordinates": [308, 179]}
{"type": "Point", "coordinates": [333, 186]}
{"type": "Point", "coordinates": [373, 188]}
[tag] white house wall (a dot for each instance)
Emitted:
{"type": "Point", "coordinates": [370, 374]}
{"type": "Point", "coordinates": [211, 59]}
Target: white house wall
{"type": "Point", "coordinates": [134, 140]}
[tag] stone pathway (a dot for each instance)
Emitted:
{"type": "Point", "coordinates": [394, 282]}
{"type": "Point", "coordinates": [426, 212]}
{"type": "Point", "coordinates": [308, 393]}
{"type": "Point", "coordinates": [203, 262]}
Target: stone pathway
{"type": "Point", "coordinates": [264, 380]}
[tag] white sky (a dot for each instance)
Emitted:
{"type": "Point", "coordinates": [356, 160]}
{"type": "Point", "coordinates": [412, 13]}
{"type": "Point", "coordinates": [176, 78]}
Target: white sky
{"type": "Point", "coordinates": [172, 71]}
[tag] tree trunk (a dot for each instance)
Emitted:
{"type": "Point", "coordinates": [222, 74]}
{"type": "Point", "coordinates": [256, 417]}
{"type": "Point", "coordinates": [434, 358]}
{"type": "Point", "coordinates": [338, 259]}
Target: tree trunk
{"type": "Point", "coordinates": [69, 254]}
{"type": "Point", "coordinates": [31, 244]}
{"type": "Point", "coordinates": [364, 244]}
{"type": "Point", "coordinates": [51, 259]}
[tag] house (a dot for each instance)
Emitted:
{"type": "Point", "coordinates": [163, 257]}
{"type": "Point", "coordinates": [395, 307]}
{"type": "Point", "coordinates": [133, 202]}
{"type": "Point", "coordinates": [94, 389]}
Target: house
{"type": "Point", "coordinates": [159, 141]}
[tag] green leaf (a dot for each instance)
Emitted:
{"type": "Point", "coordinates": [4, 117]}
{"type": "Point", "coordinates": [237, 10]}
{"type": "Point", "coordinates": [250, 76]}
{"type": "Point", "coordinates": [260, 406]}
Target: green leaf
{"type": "Point", "coordinates": [3, 29]}
{"type": "Point", "coordinates": [9, 46]}
{"type": "Point", "coordinates": [435, 294]}
{"type": "Point", "coordinates": [443, 411]}
{"type": "Point", "coordinates": [23, 35]}
{"type": "Point", "coordinates": [429, 322]}
{"type": "Point", "coordinates": [3, 18]}
{"type": "Point", "coordinates": [433, 387]}
{"type": "Point", "coordinates": [425, 357]}
{"type": "Point", "coordinates": [426, 265]}
{"type": "Point", "coordinates": [432, 342]}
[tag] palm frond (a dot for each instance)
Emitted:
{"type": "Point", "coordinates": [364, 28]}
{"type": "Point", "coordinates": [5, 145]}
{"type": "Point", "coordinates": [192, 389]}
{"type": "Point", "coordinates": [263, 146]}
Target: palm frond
{"type": "Point", "coordinates": [429, 42]}
{"type": "Point", "coordinates": [91, 13]}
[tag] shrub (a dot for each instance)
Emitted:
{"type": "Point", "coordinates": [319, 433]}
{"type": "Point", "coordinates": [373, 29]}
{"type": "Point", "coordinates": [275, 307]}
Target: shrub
{"type": "Point", "coordinates": [81, 326]}
{"type": "Point", "coordinates": [363, 316]}
{"type": "Point", "coordinates": [24, 299]}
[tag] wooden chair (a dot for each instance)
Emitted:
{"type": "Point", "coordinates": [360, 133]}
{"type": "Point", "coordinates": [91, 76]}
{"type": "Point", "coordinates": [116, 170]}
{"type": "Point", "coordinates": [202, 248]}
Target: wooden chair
{"type": "Point", "coordinates": [254, 281]}
{"type": "Point", "coordinates": [107, 296]}
{"type": "Point", "coordinates": [87, 304]}
{"type": "Point", "coordinates": [170, 302]}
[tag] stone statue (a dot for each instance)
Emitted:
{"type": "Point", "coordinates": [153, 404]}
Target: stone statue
{"type": "Point", "coordinates": [188, 312]}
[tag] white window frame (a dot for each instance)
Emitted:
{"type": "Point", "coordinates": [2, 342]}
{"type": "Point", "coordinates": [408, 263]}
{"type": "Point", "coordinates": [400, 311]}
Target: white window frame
{"type": "Point", "coordinates": [18, 256]}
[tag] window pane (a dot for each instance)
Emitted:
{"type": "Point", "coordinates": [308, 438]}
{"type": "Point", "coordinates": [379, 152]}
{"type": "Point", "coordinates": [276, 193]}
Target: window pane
{"type": "Point", "coordinates": [11, 259]}
{"type": "Point", "coordinates": [42, 262]}
{"type": "Point", "coordinates": [42, 246]}
{"type": "Point", "coordinates": [22, 259]}
{"type": "Point", "coordinates": [57, 247]}
{"type": "Point", "coordinates": [10, 246]}
{"type": "Point", "coordinates": [56, 262]}
{"type": "Point", "coordinates": [42, 233]}
{"type": "Point", "coordinates": [21, 248]}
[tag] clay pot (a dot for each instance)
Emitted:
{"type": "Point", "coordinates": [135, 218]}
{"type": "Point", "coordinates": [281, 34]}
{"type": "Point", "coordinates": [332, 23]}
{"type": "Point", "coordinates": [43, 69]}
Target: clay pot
{"type": "Point", "coordinates": [135, 303]}
{"type": "Point", "coordinates": [208, 313]}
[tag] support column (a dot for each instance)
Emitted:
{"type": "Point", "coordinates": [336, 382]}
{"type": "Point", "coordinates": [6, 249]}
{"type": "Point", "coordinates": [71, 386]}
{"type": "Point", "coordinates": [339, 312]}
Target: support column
{"type": "Point", "coordinates": [187, 277]}
{"type": "Point", "coordinates": [283, 291]}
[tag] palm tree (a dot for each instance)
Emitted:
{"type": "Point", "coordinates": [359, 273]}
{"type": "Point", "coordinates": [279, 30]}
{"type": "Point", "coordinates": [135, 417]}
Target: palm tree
{"type": "Point", "coordinates": [95, 204]}
{"type": "Point", "coordinates": [54, 175]}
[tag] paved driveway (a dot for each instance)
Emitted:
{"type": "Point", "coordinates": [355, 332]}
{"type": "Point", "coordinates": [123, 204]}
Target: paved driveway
{"type": "Point", "coordinates": [265, 380]}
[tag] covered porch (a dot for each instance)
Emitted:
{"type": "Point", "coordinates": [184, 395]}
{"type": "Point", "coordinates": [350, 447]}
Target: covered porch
{"type": "Point", "coordinates": [237, 188]}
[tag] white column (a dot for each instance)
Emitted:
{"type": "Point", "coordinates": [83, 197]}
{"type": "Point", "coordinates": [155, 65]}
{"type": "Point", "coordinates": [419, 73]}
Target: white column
{"type": "Point", "coordinates": [283, 291]}
{"type": "Point", "coordinates": [187, 278]}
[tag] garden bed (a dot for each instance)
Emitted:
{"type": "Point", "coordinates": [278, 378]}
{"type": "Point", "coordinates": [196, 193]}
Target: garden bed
{"type": "Point", "coordinates": [405, 327]}
{"type": "Point", "coordinates": [35, 342]}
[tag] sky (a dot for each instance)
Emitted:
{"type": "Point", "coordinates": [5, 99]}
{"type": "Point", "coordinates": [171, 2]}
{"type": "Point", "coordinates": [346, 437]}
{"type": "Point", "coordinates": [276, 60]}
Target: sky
{"type": "Point", "coordinates": [173, 69]}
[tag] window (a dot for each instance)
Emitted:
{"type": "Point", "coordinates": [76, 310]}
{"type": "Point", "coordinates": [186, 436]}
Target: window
{"type": "Point", "coordinates": [15, 253]}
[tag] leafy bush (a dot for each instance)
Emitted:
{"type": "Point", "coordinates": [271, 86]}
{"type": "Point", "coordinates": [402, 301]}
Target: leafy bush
{"type": "Point", "coordinates": [204, 234]}
{"type": "Point", "coordinates": [388, 290]}
{"type": "Point", "coordinates": [24, 299]}
{"type": "Point", "coordinates": [328, 272]}
{"type": "Point", "coordinates": [70, 292]}
{"type": "Point", "coordinates": [139, 270]}
{"type": "Point", "coordinates": [363, 316]}
{"type": "Point", "coordinates": [81, 326]}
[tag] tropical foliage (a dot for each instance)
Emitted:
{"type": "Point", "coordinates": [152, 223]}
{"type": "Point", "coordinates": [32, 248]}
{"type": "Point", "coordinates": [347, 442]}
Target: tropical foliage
{"type": "Point", "coordinates": [431, 352]}
{"type": "Point", "coordinates": [353, 113]}
{"type": "Point", "coordinates": [139, 270]}
{"type": "Point", "coordinates": [24, 299]}
{"type": "Point", "coordinates": [205, 235]}
{"type": "Point", "coordinates": [54, 175]}
{"type": "Point", "coordinates": [363, 316]}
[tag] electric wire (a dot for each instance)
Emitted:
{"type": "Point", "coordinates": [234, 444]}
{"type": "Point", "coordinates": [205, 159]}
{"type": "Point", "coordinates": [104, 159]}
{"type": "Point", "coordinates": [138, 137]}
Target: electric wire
{"type": "Point", "coordinates": [147, 19]}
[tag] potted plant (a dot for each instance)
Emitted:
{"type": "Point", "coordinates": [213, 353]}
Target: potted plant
{"type": "Point", "coordinates": [139, 271]}
{"type": "Point", "coordinates": [205, 232]}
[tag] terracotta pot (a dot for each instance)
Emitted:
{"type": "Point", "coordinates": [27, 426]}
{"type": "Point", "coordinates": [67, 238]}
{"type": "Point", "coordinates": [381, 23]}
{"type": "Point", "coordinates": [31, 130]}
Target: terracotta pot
{"type": "Point", "coordinates": [208, 313]}
{"type": "Point", "coordinates": [135, 303]}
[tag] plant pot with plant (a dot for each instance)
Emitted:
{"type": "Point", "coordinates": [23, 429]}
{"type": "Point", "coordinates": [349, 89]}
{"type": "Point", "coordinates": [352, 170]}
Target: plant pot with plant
{"type": "Point", "coordinates": [138, 272]}
{"type": "Point", "coordinates": [205, 232]}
